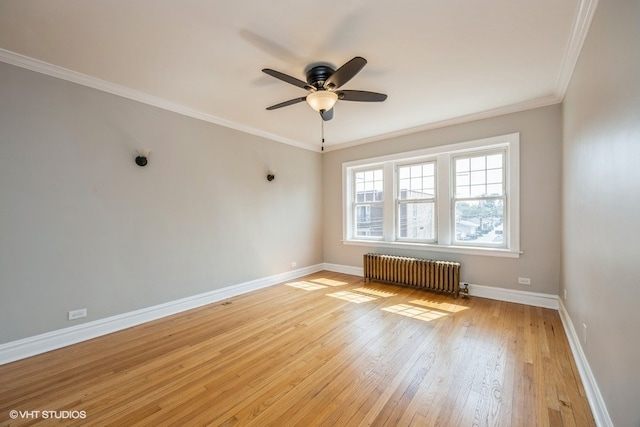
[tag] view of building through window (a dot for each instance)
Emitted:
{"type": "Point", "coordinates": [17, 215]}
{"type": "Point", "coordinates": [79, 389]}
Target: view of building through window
{"type": "Point", "coordinates": [416, 202]}
{"type": "Point", "coordinates": [479, 198]}
{"type": "Point", "coordinates": [369, 191]}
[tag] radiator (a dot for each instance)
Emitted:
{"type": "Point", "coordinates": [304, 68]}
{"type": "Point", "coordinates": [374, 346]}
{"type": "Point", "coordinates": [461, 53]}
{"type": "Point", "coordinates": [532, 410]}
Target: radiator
{"type": "Point", "coordinates": [441, 276]}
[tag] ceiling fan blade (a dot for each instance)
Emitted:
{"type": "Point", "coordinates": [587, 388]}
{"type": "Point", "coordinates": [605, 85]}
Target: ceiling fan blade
{"type": "Point", "coordinates": [361, 96]}
{"type": "Point", "coordinates": [288, 79]}
{"type": "Point", "coordinates": [287, 103]}
{"type": "Point", "coordinates": [326, 115]}
{"type": "Point", "coordinates": [345, 73]}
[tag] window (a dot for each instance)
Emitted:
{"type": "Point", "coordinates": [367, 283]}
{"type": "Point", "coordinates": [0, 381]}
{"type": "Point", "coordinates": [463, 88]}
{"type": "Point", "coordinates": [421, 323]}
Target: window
{"type": "Point", "coordinates": [479, 198]}
{"type": "Point", "coordinates": [458, 198]}
{"type": "Point", "coordinates": [368, 202]}
{"type": "Point", "coordinates": [416, 202]}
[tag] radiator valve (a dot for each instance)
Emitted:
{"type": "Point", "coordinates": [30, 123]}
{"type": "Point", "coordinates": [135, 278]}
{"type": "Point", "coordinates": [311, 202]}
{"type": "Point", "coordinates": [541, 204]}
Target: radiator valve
{"type": "Point", "coordinates": [464, 290]}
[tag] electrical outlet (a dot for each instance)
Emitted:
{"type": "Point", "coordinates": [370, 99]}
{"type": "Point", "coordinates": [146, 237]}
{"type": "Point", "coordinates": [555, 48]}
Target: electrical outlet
{"type": "Point", "coordinates": [584, 333]}
{"type": "Point", "coordinates": [524, 280]}
{"type": "Point", "coordinates": [77, 314]}
{"type": "Point", "coordinates": [294, 264]}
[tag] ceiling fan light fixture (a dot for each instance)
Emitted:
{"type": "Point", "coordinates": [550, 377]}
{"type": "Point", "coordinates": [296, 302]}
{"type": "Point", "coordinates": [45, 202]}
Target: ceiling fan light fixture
{"type": "Point", "coordinates": [322, 100]}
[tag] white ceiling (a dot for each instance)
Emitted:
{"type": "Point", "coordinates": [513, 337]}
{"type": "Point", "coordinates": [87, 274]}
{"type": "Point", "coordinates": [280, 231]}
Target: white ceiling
{"type": "Point", "coordinates": [440, 61]}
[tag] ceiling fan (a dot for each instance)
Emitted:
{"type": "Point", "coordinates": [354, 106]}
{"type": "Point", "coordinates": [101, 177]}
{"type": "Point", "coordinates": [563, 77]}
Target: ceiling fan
{"type": "Point", "coordinates": [323, 83]}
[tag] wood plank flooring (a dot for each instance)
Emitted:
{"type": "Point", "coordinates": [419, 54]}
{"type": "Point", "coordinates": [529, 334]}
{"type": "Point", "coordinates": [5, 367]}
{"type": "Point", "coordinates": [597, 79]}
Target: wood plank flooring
{"type": "Point", "coordinates": [323, 350]}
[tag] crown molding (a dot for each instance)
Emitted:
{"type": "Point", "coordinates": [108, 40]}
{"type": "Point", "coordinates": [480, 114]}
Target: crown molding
{"type": "Point", "coordinates": [508, 109]}
{"type": "Point", "coordinates": [48, 69]}
{"type": "Point", "coordinates": [581, 25]}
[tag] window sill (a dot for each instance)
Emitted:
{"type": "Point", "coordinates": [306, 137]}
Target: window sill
{"type": "Point", "coordinates": [465, 250]}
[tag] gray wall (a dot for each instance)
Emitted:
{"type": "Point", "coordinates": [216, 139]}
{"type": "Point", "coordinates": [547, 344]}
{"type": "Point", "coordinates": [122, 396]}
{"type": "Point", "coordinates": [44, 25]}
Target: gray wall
{"type": "Point", "coordinates": [540, 159]}
{"type": "Point", "coordinates": [81, 226]}
{"type": "Point", "coordinates": [601, 205]}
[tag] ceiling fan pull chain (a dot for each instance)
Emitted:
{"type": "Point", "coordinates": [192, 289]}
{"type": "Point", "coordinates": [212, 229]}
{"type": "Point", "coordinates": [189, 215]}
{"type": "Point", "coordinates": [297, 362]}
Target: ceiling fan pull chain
{"type": "Point", "coordinates": [322, 127]}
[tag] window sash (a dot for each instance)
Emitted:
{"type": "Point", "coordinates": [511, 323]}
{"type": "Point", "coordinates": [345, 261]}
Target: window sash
{"type": "Point", "coordinates": [489, 177]}
{"type": "Point", "coordinates": [414, 180]}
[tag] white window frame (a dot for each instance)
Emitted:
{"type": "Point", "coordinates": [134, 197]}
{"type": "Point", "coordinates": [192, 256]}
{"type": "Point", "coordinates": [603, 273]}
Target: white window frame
{"type": "Point", "coordinates": [355, 204]}
{"type": "Point", "coordinates": [399, 202]}
{"type": "Point", "coordinates": [503, 197]}
{"type": "Point", "coordinates": [443, 156]}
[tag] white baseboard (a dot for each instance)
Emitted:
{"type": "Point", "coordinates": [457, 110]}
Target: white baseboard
{"type": "Point", "coordinates": [344, 269]}
{"type": "Point", "coordinates": [27, 347]}
{"type": "Point", "coordinates": [598, 407]}
{"type": "Point", "coordinates": [535, 299]}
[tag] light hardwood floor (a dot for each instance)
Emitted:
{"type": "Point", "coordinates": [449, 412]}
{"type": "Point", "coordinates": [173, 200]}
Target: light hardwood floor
{"type": "Point", "coordinates": [326, 349]}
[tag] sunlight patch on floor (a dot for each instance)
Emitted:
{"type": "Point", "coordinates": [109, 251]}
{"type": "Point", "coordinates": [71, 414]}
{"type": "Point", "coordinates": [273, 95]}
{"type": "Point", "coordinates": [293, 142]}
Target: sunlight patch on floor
{"type": "Point", "coordinates": [328, 282]}
{"type": "Point", "coordinates": [307, 286]}
{"type": "Point", "coordinates": [415, 312]}
{"type": "Point", "coordinates": [352, 297]}
{"type": "Point", "coordinates": [442, 305]}
{"type": "Point", "coordinates": [375, 292]}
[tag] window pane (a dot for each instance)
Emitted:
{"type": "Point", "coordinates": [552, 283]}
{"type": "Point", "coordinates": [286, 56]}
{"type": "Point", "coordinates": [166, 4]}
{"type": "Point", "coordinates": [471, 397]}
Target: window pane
{"type": "Point", "coordinates": [462, 165]}
{"type": "Point", "coordinates": [428, 184]}
{"type": "Point", "coordinates": [494, 190]}
{"type": "Point", "coordinates": [494, 161]}
{"type": "Point", "coordinates": [368, 195]}
{"type": "Point", "coordinates": [377, 190]}
{"type": "Point", "coordinates": [429, 169]}
{"type": "Point", "coordinates": [478, 177]}
{"type": "Point", "coordinates": [463, 192]}
{"type": "Point", "coordinates": [484, 178]}
{"type": "Point", "coordinates": [478, 190]}
{"type": "Point", "coordinates": [405, 184]}
{"type": "Point", "coordinates": [416, 220]}
{"type": "Point", "coordinates": [416, 184]}
{"type": "Point", "coordinates": [478, 163]}
{"type": "Point", "coordinates": [416, 181]}
{"type": "Point", "coordinates": [462, 179]}
{"type": "Point", "coordinates": [494, 176]}
{"type": "Point", "coordinates": [368, 220]}
{"type": "Point", "coordinates": [369, 186]}
{"type": "Point", "coordinates": [480, 221]}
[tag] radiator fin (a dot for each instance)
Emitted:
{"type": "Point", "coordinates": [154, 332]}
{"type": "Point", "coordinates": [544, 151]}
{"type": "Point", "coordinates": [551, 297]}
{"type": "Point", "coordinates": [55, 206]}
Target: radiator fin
{"type": "Point", "coordinates": [441, 276]}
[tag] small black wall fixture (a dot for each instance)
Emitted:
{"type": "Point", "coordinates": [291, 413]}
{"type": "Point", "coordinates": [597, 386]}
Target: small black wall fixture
{"type": "Point", "coordinates": [141, 159]}
{"type": "Point", "coordinates": [271, 176]}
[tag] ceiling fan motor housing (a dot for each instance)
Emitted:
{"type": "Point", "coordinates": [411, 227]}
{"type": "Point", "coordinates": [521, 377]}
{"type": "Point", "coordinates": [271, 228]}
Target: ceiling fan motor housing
{"type": "Point", "coordinates": [319, 74]}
